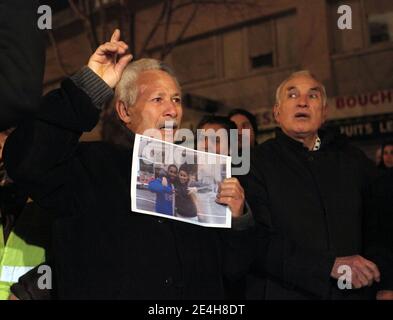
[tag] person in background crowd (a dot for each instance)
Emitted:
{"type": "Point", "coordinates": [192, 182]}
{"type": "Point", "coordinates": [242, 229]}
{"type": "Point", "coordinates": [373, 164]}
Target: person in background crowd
{"type": "Point", "coordinates": [235, 287]}
{"type": "Point", "coordinates": [3, 174]}
{"type": "Point", "coordinates": [386, 157]}
{"type": "Point", "coordinates": [306, 189]}
{"type": "Point", "coordinates": [245, 120]}
{"type": "Point", "coordinates": [87, 186]}
{"type": "Point", "coordinates": [216, 123]}
{"type": "Point", "coordinates": [24, 236]}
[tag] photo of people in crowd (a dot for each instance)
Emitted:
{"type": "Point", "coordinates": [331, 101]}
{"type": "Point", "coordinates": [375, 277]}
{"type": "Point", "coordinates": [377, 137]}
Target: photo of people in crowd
{"type": "Point", "coordinates": [181, 190]}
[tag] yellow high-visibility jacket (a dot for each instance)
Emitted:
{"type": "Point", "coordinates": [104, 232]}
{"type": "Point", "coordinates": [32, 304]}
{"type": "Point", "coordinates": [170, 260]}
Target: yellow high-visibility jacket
{"type": "Point", "coordinates": [24, 249]}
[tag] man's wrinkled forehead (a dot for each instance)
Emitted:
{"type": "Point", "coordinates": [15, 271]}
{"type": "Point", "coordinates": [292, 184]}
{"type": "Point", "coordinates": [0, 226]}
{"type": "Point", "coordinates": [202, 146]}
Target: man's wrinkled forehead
{"type": "Point", "coordinates": [157, 81]}
{"type": "Point", "coordinates": [298, 82]}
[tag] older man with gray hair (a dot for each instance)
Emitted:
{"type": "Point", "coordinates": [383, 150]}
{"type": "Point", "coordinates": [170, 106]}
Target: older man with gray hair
{"type": "Point", "coordinates": [306, 189]}
{"type": "Point", "coordinates": [103, 250]}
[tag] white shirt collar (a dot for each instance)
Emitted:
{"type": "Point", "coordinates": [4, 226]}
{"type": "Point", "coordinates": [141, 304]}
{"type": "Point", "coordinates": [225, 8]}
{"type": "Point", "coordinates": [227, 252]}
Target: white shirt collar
{"type": "Point", "coordinates": [317, 144]}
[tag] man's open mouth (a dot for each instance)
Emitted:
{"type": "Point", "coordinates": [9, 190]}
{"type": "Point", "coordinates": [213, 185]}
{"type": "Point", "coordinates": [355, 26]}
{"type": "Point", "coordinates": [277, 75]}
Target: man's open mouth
{"type": "Point", "coordinates": [302, 115]}
{"type": "Point", "coordinates": [172, 127]}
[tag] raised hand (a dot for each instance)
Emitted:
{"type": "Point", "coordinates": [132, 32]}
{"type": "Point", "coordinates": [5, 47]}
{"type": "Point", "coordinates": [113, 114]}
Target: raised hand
{"type": "Point", "coordinates": [192, 190]}
{"type": "Point", "coordinates": [164, 182]}
{"type": "Point", "coordinates": [110, 60]}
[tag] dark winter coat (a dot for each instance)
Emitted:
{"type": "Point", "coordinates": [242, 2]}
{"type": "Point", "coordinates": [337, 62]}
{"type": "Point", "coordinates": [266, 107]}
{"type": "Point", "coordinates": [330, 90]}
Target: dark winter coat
{"type": "Point", "coordinates": [102, 249]}
{"type": "Point", "coordinates": [308, 206]}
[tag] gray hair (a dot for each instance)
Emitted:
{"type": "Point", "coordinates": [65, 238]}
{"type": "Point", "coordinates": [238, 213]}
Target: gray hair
{"type": "Point", "coordinates": [113, 129]}
{"type": "Point", "coordinates": [127, 89]}
{"type": "Point", "coordinates": [300, 73]}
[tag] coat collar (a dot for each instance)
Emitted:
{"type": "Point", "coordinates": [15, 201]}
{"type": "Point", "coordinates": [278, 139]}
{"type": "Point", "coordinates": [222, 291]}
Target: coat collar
{"type": "Point", "coordinates": [287, 141]}
{"type": "Point", "coordinates": [328, 138]}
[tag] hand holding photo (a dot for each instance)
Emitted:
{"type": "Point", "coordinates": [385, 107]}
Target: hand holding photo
{"type": "Point", "coordinates": [183, 188]}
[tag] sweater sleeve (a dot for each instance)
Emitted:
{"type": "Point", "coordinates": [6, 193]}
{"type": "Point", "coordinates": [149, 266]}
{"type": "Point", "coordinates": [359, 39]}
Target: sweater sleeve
{"type": "Point", "coordinates": [156, 186]}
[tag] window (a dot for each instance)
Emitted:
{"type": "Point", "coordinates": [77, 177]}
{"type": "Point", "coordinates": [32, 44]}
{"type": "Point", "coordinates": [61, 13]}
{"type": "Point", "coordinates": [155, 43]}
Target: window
{"type": "Point", "coordinates": [272, 43]}
{"type": "Point", "coordinates": [372, 23]}
{"type": "Point", "coordinates": [379, 20]}
{"type": "Point", "coordinates": [349, 39]}
{"type": "Point", "coordinates": [236, 51]}
{"type": "Point", "coordinates": [379, 30]}
{"type": "Point", "coordinates": [262, 60]}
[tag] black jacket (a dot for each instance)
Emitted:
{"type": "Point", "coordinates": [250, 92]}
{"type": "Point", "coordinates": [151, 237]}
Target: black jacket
{"type": "Point", "coordinates": [308, 208]}
{"type": "Point", "coordinates": [102, 249]}
{"type": "Point", "coordinates": [22, 59]}
{"type": "Point", "coordinates": [379, 234]}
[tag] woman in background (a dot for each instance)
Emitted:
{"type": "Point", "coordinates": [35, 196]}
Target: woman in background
{"type": "Point", "coordinates": [386, 156]}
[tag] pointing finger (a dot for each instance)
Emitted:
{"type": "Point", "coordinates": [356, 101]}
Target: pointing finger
{"type": "Point", "coordinates": [115, 35]}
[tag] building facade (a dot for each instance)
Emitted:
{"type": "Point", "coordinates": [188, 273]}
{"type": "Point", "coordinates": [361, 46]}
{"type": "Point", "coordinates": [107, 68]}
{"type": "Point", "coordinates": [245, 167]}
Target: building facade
{"type": "Point", "coordinates": [234, 54]}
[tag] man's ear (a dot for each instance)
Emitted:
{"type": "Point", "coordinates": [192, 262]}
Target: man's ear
{"type": "Point", "coordinates": [276, 112]}
{"type": "Point", "coordinates": [122, 111]}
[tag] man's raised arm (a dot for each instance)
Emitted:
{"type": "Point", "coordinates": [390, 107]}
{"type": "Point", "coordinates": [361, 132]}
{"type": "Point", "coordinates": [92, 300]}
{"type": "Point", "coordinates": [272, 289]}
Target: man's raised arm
{"type": "Point", "coordinates": [40, 150]}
